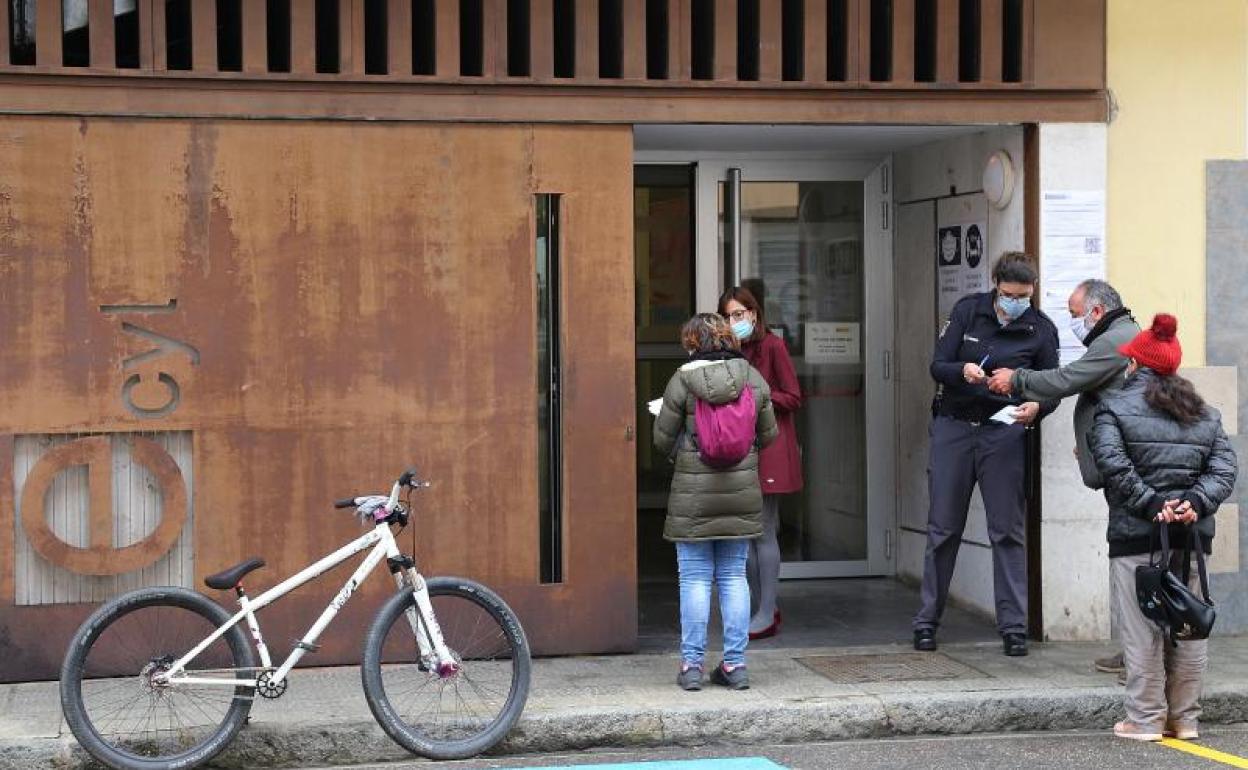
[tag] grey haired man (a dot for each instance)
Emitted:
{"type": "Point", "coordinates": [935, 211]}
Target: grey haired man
{"type": "Point", "coordinates": [1102, 324]}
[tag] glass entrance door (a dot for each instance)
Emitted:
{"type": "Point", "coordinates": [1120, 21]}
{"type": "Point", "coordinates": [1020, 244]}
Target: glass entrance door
{"type": "Point", "coordinates": [812, 243]}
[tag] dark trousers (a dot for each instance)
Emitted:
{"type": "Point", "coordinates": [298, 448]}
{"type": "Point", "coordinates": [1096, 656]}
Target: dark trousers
{"type": "Point", "coordinates": [994, 456]}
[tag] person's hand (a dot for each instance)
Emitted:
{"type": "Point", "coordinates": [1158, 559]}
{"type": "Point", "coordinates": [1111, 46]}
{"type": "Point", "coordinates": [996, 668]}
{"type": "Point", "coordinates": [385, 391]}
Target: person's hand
{"type": "Point", "coordinates": [1026, 414]}
{"type": "Point", "coordinates": [1075, 452]}
{"type": "Point", "coordinates": [973, 374]}
{"type": "Point", "coordinates": [1177, 510]}
{"type": "Point", "coordinates": [999, 382]}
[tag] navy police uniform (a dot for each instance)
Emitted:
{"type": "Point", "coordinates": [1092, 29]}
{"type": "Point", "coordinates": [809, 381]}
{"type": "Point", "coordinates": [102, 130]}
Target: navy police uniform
{"type": "Point", "coordinates": [968, 448]}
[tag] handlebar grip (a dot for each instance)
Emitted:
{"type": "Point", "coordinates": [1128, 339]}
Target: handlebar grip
{"type": "Point", "coordinates": [346, 502]}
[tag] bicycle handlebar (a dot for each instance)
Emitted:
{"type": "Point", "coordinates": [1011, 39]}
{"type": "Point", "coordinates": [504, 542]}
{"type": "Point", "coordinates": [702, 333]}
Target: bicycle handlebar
{"type": "Point", "coordinates": [408, 479]}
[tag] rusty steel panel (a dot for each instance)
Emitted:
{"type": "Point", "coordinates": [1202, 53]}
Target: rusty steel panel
{"type": "Point", "coordinates": [586, 57]}
{"type": "Point", "coordinates": [770, 41]}
{"type": "Point", "coordinates": [724, 65]}
{"type": "Point", "coordinates": [991, 15]}
{"type": "Point", "coordinates": [815, 37]}
{"type": "Point", "coordinates": [947, 41]}
{"type": "Point", "coordinates": [1067, 43]}
{"type": "Point", "coordinates": [399, 40]}
{"type": "Point", "coordinates": [680, 45]}
{"type": "Point", "coordinates": [4, 34]}
{"type": "Point", "coordinates": [101, 33]}
{"type": "Point", "coordinates": [634, 44]}
{"type": "Point", "coordinates": [155, 33]}
{"type": "Point", "coordinates": [255, 39]}
{"type": "Point", "coordinates": [303, 37]}
{"type": "Point", "coordinates": [447, 48]}
{"type": "Point", "coordinates": [48, 33]}
{"type": "Point", "coordinates": [204, 37]}
{"type": "Point", "coordinates": [903, 42]}
{"type": "Point", "coordinates": [321, 305]}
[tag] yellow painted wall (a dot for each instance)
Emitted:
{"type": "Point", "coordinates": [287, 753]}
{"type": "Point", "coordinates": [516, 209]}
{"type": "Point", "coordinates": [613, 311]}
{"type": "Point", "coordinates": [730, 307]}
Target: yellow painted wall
{"type": "Point", "coordinates": [1178, 70]}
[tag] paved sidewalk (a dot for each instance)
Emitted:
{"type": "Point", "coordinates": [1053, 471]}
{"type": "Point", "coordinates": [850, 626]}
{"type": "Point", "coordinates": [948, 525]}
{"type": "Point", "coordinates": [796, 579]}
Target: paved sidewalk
{"type": "Point", "coordinates": [586, 702]}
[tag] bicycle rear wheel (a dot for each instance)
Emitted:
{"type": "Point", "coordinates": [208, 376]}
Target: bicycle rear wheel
{"type": "Point", "coordinates": [126, 718]}
{"type": "Point", "coordinates": [465, 709]}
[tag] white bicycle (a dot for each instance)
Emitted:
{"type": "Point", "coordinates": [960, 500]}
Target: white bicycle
{"type": "Point", "coordinates": [163, 678]}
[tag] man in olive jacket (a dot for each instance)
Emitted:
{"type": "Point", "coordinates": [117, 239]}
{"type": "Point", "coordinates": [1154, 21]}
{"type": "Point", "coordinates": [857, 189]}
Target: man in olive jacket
{"type": "Point", "coordinates": [1101, 323]}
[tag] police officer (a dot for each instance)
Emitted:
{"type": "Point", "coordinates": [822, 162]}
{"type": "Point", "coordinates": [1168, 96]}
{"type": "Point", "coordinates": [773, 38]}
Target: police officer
{"type": "Point", "coordinates": [986, 331]}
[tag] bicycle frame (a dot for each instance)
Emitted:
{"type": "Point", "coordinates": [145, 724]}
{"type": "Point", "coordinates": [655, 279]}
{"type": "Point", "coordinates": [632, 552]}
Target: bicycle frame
{"type": "Point", "coordinates": [381, 540]}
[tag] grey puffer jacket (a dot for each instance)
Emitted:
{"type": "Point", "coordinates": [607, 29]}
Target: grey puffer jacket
{"type": "Point", "coordinates": [1147, 457]}
{"type": "Point", "coordinates": [712, 503]}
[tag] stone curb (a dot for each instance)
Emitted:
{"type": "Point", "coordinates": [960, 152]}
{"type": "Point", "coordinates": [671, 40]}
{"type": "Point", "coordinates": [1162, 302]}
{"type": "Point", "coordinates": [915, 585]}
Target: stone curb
{"type": "Point", "coordinates": [822, 719]}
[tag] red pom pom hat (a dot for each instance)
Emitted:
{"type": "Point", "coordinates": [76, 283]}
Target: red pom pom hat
{"type": "Point", "coordinates": [1157, 347]}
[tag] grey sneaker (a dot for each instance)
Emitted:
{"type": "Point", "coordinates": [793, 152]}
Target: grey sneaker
{"type": "Point", "coordinates": [1110, 665]}
{"type": "Point", "coordinates": [690, 677]}
{"type": "Point", "coordinates": [736, 679]}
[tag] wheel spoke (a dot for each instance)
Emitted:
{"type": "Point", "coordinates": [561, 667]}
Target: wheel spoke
{"type": "Point", "coordinates": [128, 711]}
{"type": "Point", "coordinates": [471, 705]}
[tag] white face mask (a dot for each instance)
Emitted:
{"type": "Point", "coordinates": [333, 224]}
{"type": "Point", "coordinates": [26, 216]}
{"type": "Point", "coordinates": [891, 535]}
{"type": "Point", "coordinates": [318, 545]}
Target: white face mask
{"type": "Point", "coordinates": [1080, 327]}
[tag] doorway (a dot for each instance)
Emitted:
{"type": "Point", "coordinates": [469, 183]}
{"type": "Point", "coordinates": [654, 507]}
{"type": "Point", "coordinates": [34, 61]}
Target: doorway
{"type": "Point", "coordinates": [813, 238]}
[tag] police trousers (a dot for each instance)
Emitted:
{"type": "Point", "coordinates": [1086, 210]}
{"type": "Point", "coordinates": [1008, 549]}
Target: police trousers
{"type": "Point", "coordinates": [992, 455]}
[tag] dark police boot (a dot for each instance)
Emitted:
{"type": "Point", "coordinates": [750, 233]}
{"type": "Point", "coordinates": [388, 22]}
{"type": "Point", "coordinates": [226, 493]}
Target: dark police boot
{"type": "Point", "coordinates": [1015, 645]}
{"type": "Point", "coordinates": [925, 640]}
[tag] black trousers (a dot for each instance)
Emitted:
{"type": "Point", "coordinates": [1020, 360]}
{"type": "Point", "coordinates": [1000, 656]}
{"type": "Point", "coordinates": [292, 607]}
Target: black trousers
{"type": "Point", "coordinates": [993, 456]}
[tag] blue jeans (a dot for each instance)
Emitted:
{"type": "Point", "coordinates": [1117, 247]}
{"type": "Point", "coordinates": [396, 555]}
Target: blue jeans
{"type": "Point", "coordinates": [722, 562]}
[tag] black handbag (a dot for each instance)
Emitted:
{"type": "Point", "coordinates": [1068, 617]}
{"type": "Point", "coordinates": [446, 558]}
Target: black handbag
{"type": "Point", "coordinates": [1164, 597]}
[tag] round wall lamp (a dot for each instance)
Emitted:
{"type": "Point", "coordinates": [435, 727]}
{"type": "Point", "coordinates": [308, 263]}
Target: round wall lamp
{"type": "Point", "coordinates": [999, 179]}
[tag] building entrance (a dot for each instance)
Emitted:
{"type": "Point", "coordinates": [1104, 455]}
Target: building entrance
{"type": "Point", "coordinates": [819, 221]}
{"type": "Point", "coordinates": [812, 240]}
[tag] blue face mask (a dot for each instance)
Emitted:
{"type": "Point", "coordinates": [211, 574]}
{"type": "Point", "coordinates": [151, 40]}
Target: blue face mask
{"type": "Point", "coordinates": [1013, 307]}
{"type": "Point", "coordinates": [743, 328]}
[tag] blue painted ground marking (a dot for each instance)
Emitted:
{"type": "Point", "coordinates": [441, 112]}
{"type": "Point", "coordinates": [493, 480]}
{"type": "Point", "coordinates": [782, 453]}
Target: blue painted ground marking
{"type": "Point", "coordinates": [733, 763]}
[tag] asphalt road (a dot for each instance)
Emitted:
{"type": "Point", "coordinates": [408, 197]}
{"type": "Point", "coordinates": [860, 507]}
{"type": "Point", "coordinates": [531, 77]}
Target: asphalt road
{"type": "Point", "coordinates": [1081, 750]}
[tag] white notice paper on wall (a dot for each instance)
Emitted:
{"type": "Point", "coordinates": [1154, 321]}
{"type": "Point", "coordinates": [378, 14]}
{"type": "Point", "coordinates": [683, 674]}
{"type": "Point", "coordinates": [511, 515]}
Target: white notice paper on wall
{"type": "Point", "coordinates": [833, 343]}
{"type": "Point", "coordinates": [1072, 249]}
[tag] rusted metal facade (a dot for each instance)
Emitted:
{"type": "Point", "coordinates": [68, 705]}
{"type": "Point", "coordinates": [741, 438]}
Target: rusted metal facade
{"type": "Point", "coordinates": [321, 277]}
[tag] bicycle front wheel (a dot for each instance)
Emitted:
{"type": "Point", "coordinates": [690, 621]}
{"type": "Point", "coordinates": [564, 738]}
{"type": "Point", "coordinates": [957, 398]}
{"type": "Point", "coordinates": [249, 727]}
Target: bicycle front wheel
{"type": "Point", "coordinates": [115, 702]}
{"type": "Point", "coordinates": [466, 708]}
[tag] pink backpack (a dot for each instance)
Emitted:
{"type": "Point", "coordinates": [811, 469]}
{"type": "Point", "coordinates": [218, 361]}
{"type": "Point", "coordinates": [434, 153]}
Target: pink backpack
{"type": "Point", "coordinates": [725, 431]}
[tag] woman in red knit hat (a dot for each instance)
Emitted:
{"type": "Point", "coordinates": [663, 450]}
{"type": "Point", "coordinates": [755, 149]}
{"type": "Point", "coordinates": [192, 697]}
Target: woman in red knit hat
{"type": "Point", "coordinates": [1166, 462]}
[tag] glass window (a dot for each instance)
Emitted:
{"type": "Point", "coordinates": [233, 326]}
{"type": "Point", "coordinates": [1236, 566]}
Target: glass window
{"type": "Point", "coordinates": [802, 256]}
{"type": "Point", "coordinates": [549, 431]}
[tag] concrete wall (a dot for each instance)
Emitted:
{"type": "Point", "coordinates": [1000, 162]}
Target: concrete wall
{"type": "Point", "coordinates": [1177, 234]}
{"type": "Point", "coordinates": [1227, 355]}
{"type": "Point", "coordinates": [1178, 77]}
{"type": "Point", "coordinates": [1074, 554]}
{"type": "Point", "coordinates": [924, 178]}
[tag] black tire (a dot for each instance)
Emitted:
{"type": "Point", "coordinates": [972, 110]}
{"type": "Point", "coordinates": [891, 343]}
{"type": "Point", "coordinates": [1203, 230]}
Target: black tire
{"type": "Point", "coordinates": [484, 635]}
{"type": "Point", "coordinates": [102, 683]}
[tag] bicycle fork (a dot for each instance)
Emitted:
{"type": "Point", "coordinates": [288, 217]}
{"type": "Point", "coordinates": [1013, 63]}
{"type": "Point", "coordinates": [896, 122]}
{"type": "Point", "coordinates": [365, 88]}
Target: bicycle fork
{"type": "Point", "coordinates": [435, 656]}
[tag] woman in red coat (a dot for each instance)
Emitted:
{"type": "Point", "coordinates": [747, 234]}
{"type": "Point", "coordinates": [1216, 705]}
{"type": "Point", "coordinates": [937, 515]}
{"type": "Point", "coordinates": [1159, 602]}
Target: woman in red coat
{"type": "Point", "coordinates": [780, 465]}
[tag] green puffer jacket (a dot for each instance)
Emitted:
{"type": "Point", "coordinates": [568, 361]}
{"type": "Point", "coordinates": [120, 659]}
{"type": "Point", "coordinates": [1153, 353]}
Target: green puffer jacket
{"type": "Point", "coordinates": [708, 503]}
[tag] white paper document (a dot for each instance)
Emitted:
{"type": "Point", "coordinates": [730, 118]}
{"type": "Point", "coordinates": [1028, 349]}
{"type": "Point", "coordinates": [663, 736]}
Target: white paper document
{"type": "Point", "coordinates": [655, 406]}
{"type": "Point", "coordinates": [1006, 415]}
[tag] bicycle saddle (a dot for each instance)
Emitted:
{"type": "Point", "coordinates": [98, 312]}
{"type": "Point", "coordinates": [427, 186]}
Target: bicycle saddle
{"type": "Point", "coordinates": [228, 578]}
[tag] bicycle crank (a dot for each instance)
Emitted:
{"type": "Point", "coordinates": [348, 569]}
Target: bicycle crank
{"type": "Point", "coordinates": [270, 689]}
